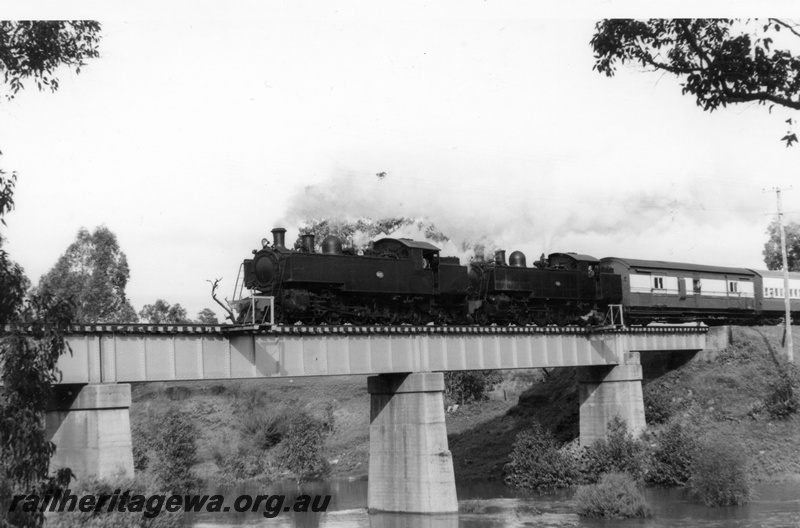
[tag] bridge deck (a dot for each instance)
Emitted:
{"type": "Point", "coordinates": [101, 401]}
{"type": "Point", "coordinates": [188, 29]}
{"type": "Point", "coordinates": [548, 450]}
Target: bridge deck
{"type": "Point", "coordinates": [131, 353]}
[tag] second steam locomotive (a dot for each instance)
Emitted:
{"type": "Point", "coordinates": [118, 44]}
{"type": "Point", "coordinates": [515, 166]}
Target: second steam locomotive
{"type": "Point", "coordinates": [397, 281]}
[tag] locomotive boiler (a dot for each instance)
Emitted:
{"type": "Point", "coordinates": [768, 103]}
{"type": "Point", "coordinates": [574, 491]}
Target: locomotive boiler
{"type": "Point", "coordinates": [397, 280]}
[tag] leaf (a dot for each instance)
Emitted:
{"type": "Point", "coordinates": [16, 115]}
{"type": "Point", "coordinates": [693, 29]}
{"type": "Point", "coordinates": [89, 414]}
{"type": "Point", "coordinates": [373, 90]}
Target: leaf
{"type": "Point", "coordinates": [789, 139]}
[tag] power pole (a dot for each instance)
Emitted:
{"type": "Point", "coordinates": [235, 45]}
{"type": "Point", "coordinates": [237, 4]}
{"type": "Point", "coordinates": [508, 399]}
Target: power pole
{"type": "Point", "coordinates": [786, 301]}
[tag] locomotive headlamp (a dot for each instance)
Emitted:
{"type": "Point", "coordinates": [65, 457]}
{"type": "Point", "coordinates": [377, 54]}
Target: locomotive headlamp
{"type": "Point", "coordinates": [264, 242]}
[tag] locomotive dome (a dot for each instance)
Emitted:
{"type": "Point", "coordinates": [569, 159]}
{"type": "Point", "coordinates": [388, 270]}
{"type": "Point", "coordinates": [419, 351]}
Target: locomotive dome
{"type": "Point", "coordinates": [332, 245]}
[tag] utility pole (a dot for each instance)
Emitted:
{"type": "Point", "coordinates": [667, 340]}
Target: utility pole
{"type": "Point", "coordinates": [786, 301]}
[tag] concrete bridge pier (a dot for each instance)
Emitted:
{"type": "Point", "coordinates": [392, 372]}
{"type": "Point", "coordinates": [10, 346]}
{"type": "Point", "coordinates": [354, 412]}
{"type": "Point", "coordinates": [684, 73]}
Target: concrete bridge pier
{"type": "Point", "coordinates": [609, 391]}
{"type": "Point", "coordinates": [410, 465]}
{"type": "Point", "coordinates": [91, 428]}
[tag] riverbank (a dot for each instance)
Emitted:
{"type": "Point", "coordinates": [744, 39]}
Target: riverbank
{"type": "Point", "coordinates": [719, 392]}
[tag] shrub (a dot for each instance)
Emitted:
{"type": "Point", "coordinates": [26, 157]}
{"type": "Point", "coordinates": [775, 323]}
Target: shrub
{"type": "Point", "coordinates": [719, 474]}
{"type": "Point", "coordinates": [671, 458]}
{"type": "Point", "coordinates": [616, 496]}
{"type": "Point", "coordinates": [536, 462]}
{"type": "Point", "coordinates": [266, 426]}
{"type": "Point", "coordinates": [173, 452]}
{"type": "Point", "coordinates": [619, 452]}
{"type": "Point", "coordinates": [658, 406]}
{"type": "Point", "coordinates": [301, 448]}
{"type": "Point", "coordinates": [104, 518]}
{"type": "Point", "coordinates": [781, 402]}
{"type": "Point", "coordinates": [469, 386]}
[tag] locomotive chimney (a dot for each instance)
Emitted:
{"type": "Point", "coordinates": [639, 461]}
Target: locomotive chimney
{"type": "Point", "coordinates": [500, 257]}
{"type": "Point", "coordinates": [278, 235]}
{"type": "Point", "coordinates": [307, 241]}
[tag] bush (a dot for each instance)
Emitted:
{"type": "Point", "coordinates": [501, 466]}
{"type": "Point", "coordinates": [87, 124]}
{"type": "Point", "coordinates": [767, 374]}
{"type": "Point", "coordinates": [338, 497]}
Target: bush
{"type": "Point", "coordinates": [781, 402]}
{"type": "Point", "coordinates": [104, 518]}
{"type": "Point", "coordinates": [616, 496]}
{"type": "Point", "coordinates": [536, 463]}
{"type": "Point", "coordinates": [658, 406]}
{"type": "Point", "coordinates": [301, 448]}
{"type": "Point", "coordinates": [719, 474]}
{"type": "Point", "coordinates": [671, 458]}
{"type": "Point", "coordinates": [173, 452]}
{"type": "Point", "coordinates": [619, 452]}
{"type": "Point", "coordinates": [469, 386]}
{"type": "Point", "coordinates": [266, 426]}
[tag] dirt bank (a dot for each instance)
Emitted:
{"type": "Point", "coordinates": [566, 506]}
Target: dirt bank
{"type": "Point", "coordinates": [717, 390]}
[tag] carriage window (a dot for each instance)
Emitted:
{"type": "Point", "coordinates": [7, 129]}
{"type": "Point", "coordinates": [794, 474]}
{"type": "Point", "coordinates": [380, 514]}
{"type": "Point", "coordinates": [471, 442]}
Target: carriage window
{"type": "Point", "coordinates": [658, 283]}
{"type": "Point", "coordinates": [697, 286]}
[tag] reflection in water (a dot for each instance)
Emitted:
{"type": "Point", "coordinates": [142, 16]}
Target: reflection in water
{"type": "Point", "coordinates": [488, 505]}
{"type": "Point", "coordinates": [412, 520]}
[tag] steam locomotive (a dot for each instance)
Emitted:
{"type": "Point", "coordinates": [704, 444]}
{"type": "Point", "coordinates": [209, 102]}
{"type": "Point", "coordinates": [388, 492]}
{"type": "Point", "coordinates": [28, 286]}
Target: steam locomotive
{"type": "Point", "coordinates": [397, 281]}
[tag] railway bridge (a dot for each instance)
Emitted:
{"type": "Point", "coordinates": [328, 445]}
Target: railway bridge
{"type": "Point", "coordinates": [410, 466]}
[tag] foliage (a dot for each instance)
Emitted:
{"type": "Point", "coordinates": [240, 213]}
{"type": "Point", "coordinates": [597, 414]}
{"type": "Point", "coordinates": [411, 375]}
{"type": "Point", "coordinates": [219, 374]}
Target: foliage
{"type": "Point", "coordinates": [619, 452]}
{"type": "Point", "coordinates": [268, 426]}
{"type": "Point", "coordinates": [37, 48]}
{"type": "Point", "coordinates": [165, 445]}
{"type": "Point", "coordinates": [469, 386]}
{"type": "Point", "coordinates": [672, 455]}
{"type": "Point", "coordinates": [658, 406]}
{"type": "Point", "coordinates": [301, 448]}
{"type": "Point", "coordinates": [207, 316]}
{"type": "Point", "coordinates": [161, 312]}
{"type": "Point", "coordinates": [719, 474]}
{"type": "Point", "coordinates": [114, 519]}
{"type": "Point", "coordinates": [92, 274]}
{"type": "Point", "coordinates": [536, 462]}
{"type": "Point", "coordinates": [28, 361]}
{"type": "Point", "coordinates": [781, 401]}
{"type": "Point", "coordinates": [175, 452]}
{"type": "Point", "coordinates": [720, 61]}
{"type": "Point", "coordinates": [615, 496]}
{"type": "Point", "coordinates": [772, 248]}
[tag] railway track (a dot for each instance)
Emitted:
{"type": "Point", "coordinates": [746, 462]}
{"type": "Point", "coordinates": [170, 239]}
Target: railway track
{"type": "Point", "coordinates": [348, 329]}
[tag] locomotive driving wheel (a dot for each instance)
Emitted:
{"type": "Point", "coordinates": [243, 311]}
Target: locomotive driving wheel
{"type": "Point", "coordinates": [481, 317]}
{"type": "Point", "coordinates": [541, 318]}
{"type": "Point", "coordinates": [562, 318]}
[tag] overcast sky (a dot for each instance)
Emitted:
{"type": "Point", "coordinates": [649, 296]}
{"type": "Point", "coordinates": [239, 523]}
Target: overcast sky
{"type": "Point", "coordinates": [201, 128]}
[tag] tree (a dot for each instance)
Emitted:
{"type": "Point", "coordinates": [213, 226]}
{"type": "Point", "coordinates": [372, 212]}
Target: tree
{"type": "Point", "coordinates": [161, 312]}
{"type": "Point", "coordinates": [34, 338]}
{"type": "Point", "coordinates": [93, 273]}
{"type": "Point", "coordinates": [720, 61]}
{"type": "Point", "coordinates": [772, 248]}
{"type": "Point", "coordinates": [207, 316]}
{"type": "Point", "coordinates": [36, 49]}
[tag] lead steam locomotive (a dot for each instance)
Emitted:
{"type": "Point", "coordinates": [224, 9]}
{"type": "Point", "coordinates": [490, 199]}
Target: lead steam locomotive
{"type": "Point", "coordinates": [397, 280]}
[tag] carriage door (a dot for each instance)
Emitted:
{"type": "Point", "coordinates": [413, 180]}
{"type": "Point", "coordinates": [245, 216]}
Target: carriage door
{"type": "Point", "coordinates": [682, 288]}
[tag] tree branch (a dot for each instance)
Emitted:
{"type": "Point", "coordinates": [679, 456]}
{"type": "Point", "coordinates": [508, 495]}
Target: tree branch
{"type": "Point", "coordinates": [786, 25]}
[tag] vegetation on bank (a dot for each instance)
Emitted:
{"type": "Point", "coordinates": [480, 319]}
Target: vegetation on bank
{"type": "Point", "coordinates": [735, 394]}
{"type": "Point", "coordinates": [617, 495]}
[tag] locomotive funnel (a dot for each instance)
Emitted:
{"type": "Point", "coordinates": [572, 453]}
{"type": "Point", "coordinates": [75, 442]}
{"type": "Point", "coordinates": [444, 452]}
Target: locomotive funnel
{"type": "Point", "coordinates": [517, 260]}
{"type": "Point", "coordinates": [500, 257]}
{"type": "Point", "coordinates": [307, 241]}
{"type": "Point", "coordinates": [278, 235]}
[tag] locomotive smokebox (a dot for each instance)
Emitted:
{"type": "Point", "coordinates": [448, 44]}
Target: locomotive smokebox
{"type": "Point", "coordinates": [307, 241]}
{"type": "Point", "coordinates": [500, 257]}
{"type": "Point", "coordinates": [517, 260]}
{"type": "Point", "coordinates": [278, 237]}
{"type": "Point", "coordinates": [331, 245]}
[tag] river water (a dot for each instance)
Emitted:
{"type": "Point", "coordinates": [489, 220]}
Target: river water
{"type": "Point", "coordinates": [491, 505]}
